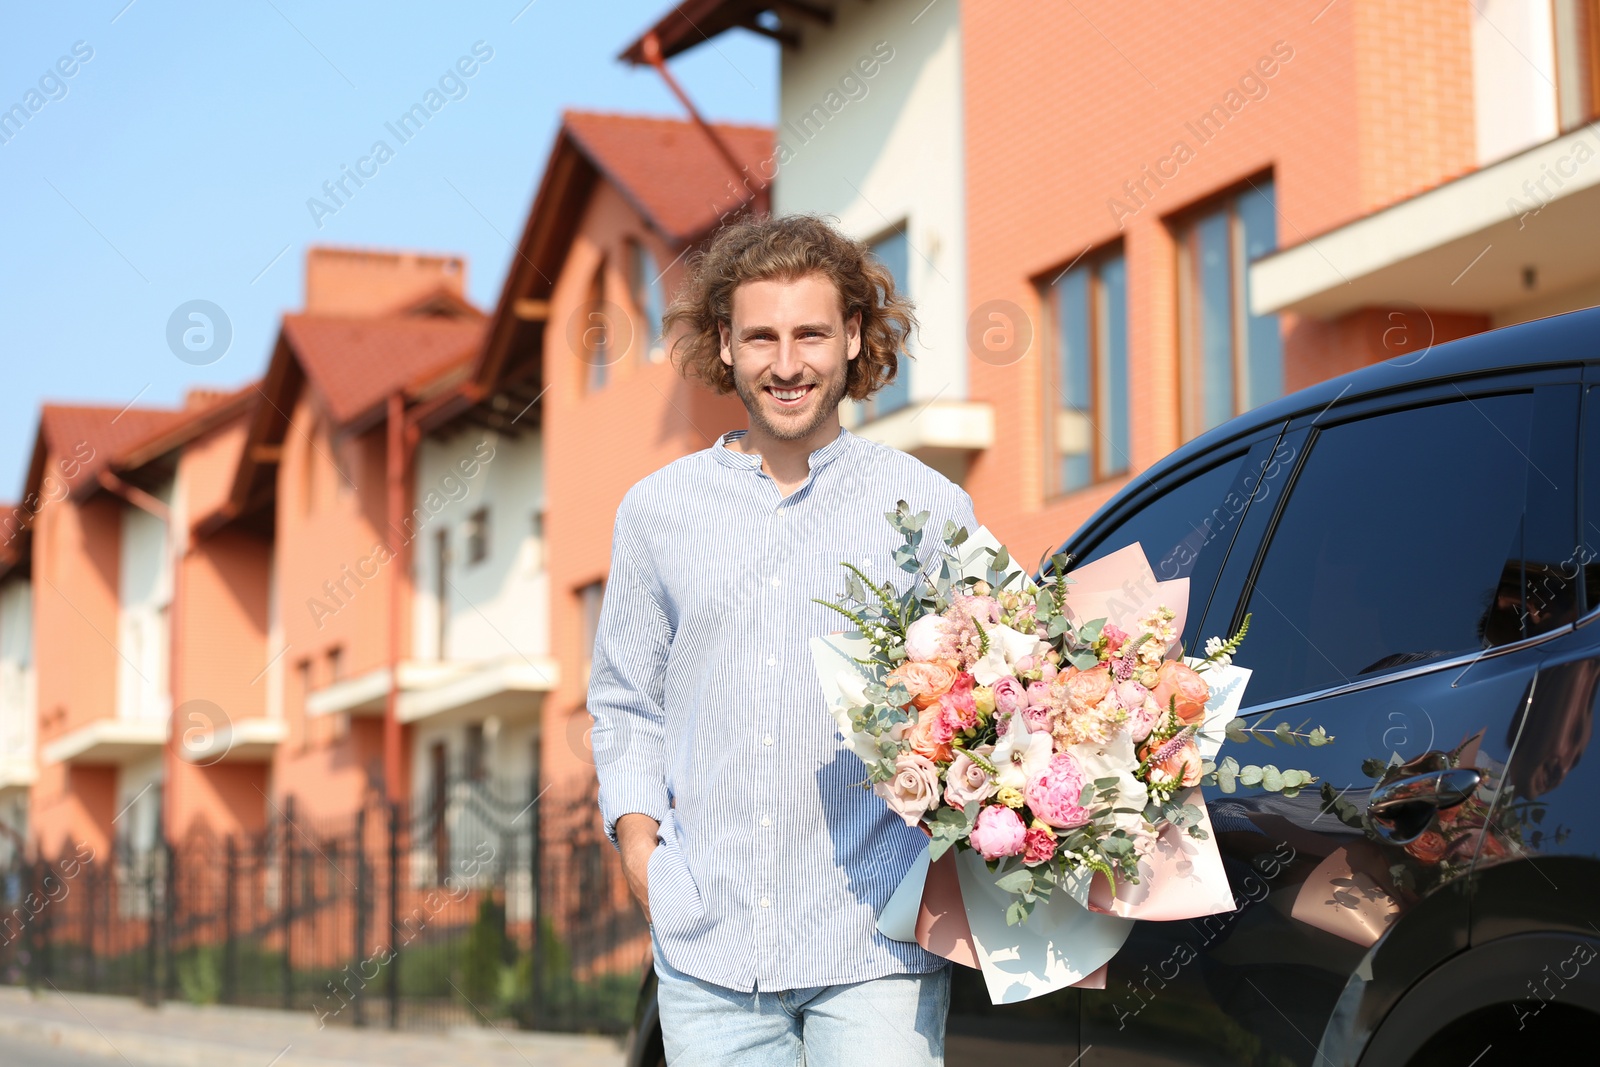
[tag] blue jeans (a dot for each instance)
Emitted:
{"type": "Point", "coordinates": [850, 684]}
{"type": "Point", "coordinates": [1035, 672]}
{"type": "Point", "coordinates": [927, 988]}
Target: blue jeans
{"type": "Point", "coordinates": [896, 1020]}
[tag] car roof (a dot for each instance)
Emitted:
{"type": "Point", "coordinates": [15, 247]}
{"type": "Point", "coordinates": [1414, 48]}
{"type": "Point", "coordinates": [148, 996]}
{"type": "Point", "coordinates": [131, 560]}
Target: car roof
{"type": "Point", "coordinates": [1558, 340]}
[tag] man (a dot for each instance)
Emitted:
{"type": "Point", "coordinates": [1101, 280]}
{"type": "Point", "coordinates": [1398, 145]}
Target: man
{"type": "Point", "coordinates": [744, 829]}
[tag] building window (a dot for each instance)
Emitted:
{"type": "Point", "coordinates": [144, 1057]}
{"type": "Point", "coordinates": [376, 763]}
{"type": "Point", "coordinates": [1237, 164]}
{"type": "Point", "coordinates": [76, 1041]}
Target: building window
{"type": "Point", "coordinates": [595, 337]}
{"type": "Point", "coordinates": [335, 664]}
{"type": "Point", "coordinates": [1231, 360]}
{"type": "Point", "coordinates": [1577, 47]}
{"type": "Point", "coordinates": [303, 672]}
{"type": "Point", "coordinates": [644, 284]}
{"type": "Point", "coordinates": [475, 769]}
{"type": "Point", "coordinates": [478, 536]}
{"type": "Point", "coordinates": [536, 531]}
{"type": "Point", "coordinates": [589, 600]}
{"type": "Point", "coordinates": [441, 590]}
{"type": "Point", "coordinates": [1086, 392]}
{"type": "Point", "coordinates": [893, 251]}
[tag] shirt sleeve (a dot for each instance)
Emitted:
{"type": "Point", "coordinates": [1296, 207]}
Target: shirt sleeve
{"type": "Point", "coordinates": [626, 684]}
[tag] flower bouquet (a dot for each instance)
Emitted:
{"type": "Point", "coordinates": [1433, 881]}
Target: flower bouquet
{"type": "Point", "coordinates": [1057, 755]}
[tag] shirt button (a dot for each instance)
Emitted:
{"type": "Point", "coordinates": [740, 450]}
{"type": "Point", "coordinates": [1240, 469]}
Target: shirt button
{"type": "Point", "coordinates": [767, 740]}
{"type": "Point", "coordinates": [765, 903]}
{"type": "Point", "coordinates": [766, 820]}
{"type": "Point", "coordinates": [777, 581]}
{"type": "Point", "coordinates": [772, 661]}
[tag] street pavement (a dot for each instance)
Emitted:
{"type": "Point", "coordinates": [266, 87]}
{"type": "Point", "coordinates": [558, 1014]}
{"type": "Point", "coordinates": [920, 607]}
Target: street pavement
{"type": "Point", "coordinates": [53, 1029]}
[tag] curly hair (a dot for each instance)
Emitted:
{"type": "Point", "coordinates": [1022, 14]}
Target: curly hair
{"type": "Point", "coordinates": [759, 248]}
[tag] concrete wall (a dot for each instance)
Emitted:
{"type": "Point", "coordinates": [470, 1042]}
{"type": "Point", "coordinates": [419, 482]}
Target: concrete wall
{"type": "Point", "coordinates": [887, 149]}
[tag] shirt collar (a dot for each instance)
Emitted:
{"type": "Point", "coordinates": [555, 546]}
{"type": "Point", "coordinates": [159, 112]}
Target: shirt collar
{"type": "Point", "coordinates": [752, 462]}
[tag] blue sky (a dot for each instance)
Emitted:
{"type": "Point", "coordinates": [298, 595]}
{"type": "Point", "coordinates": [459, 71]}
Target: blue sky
{"type": "Point", "coordinates": [176, 162]}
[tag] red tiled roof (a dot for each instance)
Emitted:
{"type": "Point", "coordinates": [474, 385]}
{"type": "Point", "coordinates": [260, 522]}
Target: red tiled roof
{"type": "Point", "coordinates": [354, 363]}
{"type": "Point", "coordinates": [669, 167]}
{"type": "Point", "coordinates": [202, 410]}
{"type": "Point", "coordinates": [87, 439]}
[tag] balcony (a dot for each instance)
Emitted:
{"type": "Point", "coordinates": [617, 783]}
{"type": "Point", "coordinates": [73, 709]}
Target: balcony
{"type": "Point", "coordinates": [1514, 240]}
{"type": "Point", "coordinates": [439, 689]}
{"type": "Point", "coordinates": [246, 741]}
{"type": "Point", "coordinates": [109, 742]}
{"type": "Point", "coordinates": [944, 434]}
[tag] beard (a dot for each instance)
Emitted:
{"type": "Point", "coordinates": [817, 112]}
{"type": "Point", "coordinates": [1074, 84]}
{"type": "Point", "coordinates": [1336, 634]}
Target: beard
{"type": "Point", "coordinates": [754, 393]}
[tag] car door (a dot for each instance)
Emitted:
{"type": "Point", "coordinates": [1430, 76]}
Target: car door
{"type": "Point", "coordinates": [1186, 518]}
{"type": "Point", "coordinates": [1386, 593]}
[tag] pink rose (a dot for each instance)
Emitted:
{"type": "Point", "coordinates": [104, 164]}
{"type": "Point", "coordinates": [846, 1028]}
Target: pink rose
{"type": "Point", "coordinates": [965, 782]}
{"type": "Point", "coordinates": [1115, 636]}
{"type": "Point", "coordinates": [1039, 694]}
{"type": "Point", "coordinates": [926, 682]}
{"type": "Point", "coordinates": [925, 638]}
{"type": "Point", "coordinates": [997, 832]}
{"type": "Point", "coordinates": [1048, 672]}
{"type": "Point", "coordinates": [1009, 696]}
{"type": "Point", "coordinates": [959, 707]}
{"type": "Point", "coordinates": [1086, 689]}
{"type": "Point", "coordinates": [1178, 682]}
{"type": "Point", "coordinates": [1053, 795]}
{"type": "Point", "coordinates": [1038, 845]}
{"type": "Point", "coordinates": [913, 790]}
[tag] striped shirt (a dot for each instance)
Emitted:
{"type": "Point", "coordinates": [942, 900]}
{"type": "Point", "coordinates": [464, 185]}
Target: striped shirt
{"type": "Point", "coordinates": [773, 861]}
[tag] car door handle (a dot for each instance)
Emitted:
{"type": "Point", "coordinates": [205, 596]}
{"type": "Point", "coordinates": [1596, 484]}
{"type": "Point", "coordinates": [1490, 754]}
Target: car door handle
{"type": "Point", "coordinates": [1401, 811]}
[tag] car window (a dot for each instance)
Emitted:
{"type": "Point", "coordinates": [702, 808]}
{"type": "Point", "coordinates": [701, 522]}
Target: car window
{"type": "Point", "coordinates": [1185, 527]}
{"type": "Point", "coordinates": [1400, 542]}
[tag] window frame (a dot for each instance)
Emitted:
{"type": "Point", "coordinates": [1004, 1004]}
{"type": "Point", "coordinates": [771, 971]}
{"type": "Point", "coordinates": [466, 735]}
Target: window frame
{"type": "Point", "coordinates": [1189, 325]}
{"type": "Point", "coordinates": [477, 536]}
{"type": "Point", "coordinates": [641, 290]}
{"type": "Point", "coordinates": [1100, 471]}
{"type": "Point", "coordinates": [872, 407]}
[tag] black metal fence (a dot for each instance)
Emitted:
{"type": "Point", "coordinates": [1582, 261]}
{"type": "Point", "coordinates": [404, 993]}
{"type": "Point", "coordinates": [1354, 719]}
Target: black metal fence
{"type": "Point", "coordinates": [481, 903]}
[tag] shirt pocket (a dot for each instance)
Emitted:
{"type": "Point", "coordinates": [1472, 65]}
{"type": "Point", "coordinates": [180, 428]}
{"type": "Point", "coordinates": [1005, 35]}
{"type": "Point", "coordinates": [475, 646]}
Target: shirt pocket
{"type": "Point", "coordinates": [675, 902]}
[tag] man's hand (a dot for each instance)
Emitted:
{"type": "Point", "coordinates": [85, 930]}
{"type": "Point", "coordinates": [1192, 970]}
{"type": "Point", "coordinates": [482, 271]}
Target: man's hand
{"type": "Point", "coordinates": [636, 839]}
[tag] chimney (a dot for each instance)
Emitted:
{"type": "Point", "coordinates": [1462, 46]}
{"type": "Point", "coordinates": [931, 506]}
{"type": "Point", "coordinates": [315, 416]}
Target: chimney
{"type": "Point", "coordinates": [367, 282]}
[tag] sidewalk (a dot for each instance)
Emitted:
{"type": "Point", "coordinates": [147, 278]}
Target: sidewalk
{"type": "Point", "coordinates": [181, 1035]}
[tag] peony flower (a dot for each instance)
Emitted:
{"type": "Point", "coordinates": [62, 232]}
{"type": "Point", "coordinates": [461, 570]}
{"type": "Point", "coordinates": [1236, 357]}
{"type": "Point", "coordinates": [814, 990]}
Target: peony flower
{"type": "Point", "coordinates": [1175, 760]}
{"type": "Point", "coordinates": [1039, 694]}
{"type": "Point", "coordinates": [925, 638]}
{"type": "Point", "coordinates": [1006, 647]}
{"type": "Point", "coordinates": [1053, 795]}
{"type": "Point", "coordinates": [1038, 720]}
{"type": "Point", "coordinates": [1038, 844]}
{"type": "Point", "coordinates": [966, 781]}
{"type": "Point", "coordinates": [1020, 755]}
{"type": "Point", "coordinates": [1048, 672]}
{"type": "Point", "coordinates": [927, 682]}
{"type": "Point", "coordinates": [1142, 711]}
{"type": "Point", "coordinates": [1429, 848]}
{"type": "Point", "coordinates": [1086, 689]}
{"type": "Point", "coordinates": [913, 790]}
{"type": "Point", "coordinates": [959, 707]}
{"type": "Point", "coordinates": [997, 832]}
{"type": "Point", "coordinates": [1009, 695]}
{"type": "Point", "coordinates": [1178, 682]}
{"type": "Point", "coordinates": [930, 735]}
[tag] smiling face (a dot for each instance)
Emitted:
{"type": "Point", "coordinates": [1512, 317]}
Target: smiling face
{"type": "Point", "coordinates": [790, 348]}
